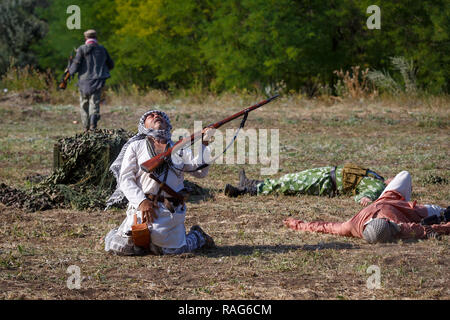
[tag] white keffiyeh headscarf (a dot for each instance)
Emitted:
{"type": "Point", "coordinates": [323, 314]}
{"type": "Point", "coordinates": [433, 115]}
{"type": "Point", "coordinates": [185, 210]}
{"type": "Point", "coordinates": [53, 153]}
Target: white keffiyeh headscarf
{"type": "Point", "coordinates": [143, 132]}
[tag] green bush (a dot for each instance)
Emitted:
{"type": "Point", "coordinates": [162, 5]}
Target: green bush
{"type": "Point", "coordinates": [20, 30]}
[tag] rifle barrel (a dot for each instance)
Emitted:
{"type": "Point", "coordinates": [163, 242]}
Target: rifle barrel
{"type": "Point", "coordinates": [240, 113]}
{"type": "Point", "coordinates": [156, 161]}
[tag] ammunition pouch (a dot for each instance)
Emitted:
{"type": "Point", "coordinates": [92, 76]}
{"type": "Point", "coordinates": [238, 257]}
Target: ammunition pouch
{"type": "Point", "coordinates": [352, 175]}
{"type": "Point", "coordinates": [140, 233]}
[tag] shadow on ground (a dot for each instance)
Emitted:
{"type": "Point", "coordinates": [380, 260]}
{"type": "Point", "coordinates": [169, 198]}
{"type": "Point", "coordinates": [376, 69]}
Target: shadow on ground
{"type": "Point", "coordinates": [245, 250]}
{"type": "Point", "coordinates": [197, 193]}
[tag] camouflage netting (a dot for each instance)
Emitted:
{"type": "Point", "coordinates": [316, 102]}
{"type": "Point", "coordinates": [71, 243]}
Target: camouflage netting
{"type": "Point", "coordinates": [81, 178]}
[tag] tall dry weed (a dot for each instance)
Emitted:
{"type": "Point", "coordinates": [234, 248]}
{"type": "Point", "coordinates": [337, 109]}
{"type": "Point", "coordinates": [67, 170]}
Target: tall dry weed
{"type": "Point", "coordinates": [354, 84]}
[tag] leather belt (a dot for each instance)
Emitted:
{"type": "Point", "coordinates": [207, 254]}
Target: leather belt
{"type": "Point", "coordinates": [334, 190]}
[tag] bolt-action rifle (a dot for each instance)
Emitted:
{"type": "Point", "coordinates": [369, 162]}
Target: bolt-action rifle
{"type": "Point", "coordinates": [156, 161]}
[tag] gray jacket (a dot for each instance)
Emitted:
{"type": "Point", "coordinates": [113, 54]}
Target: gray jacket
{"type": "Point", "coordinates": [92, 62]}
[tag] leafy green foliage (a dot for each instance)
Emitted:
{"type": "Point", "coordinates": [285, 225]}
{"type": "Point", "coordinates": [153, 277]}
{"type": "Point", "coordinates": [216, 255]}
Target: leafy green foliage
{"type": "Point", "coordinates": [20, 28]}
{"type": "Point", "coordinates": [250, 44]}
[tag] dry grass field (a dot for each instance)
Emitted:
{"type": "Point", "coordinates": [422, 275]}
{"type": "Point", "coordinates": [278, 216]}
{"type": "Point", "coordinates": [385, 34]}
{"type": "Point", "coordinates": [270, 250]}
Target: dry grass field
{"type": "Point", "coordinates": [256, 256]}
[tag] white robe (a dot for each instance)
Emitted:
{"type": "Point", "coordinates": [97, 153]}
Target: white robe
{"type": "Point", "coordinates": [167, 230]}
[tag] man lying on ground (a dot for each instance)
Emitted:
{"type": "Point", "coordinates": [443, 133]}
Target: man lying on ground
{"type": "Point", "coordinates": [392, 216]}
{"type": "Point", "coordinates": [164, 214]}
{"type": "Point", "coordinates": [364, 184]}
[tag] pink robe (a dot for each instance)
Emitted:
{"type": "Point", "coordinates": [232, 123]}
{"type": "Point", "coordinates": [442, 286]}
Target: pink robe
{"type": "Point", "coordinates": [392, 206]}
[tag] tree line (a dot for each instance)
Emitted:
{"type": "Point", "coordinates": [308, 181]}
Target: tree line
{"type": "Point", "coordinates": [224, 45]}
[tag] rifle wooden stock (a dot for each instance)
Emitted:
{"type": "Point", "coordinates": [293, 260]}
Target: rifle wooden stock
{"type": "Point", "coordinates": [155, 162]}
{"type": "Point", "coordinates": [63, 84]}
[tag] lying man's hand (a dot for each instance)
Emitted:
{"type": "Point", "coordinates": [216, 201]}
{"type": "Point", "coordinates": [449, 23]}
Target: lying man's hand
{"type": "Point", "coordinates": [148, 211]}
{"type": "Point", "coordinates": [292, 223]}
{"type": "Point", "coordinates": [365, 201]}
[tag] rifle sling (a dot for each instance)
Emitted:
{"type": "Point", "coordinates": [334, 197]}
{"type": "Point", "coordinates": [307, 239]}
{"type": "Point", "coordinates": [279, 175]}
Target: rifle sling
{"type": "Point", "coordinates": [166, 188]}
{"type": "Point", "coordinates": [204, 165]}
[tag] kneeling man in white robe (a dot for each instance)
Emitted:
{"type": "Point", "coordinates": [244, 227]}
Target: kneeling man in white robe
{"type": "Point", "coordinates": [165, 216]}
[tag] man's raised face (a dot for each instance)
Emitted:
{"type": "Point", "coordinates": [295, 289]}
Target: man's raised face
{"type": "Point", "coordinates": [155, 121]}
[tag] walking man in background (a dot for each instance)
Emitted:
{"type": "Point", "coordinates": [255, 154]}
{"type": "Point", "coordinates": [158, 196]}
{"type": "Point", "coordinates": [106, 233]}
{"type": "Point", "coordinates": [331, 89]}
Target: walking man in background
{"type": "Point", "coordinates": [92, 62]}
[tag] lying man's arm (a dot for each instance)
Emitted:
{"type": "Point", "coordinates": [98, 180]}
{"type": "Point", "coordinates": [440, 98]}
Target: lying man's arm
{"type": "Point", "coordinates": [338, 228]}
{"type": "Point", "coordinates": [418, 231]}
